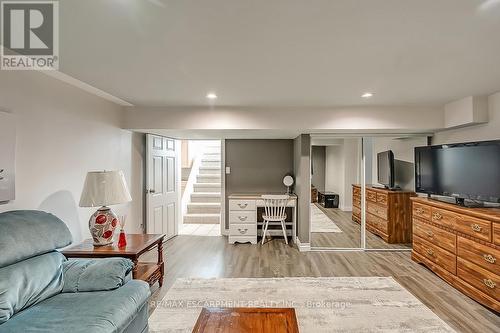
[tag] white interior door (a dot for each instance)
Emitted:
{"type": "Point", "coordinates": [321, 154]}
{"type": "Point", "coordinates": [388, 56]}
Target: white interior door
{"type": "Point", "coordinates": [163, 186]}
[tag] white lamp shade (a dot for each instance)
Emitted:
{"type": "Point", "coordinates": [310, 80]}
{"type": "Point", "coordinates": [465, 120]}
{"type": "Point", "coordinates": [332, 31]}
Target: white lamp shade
{"type": "Point", "coordinates": [104, 188]}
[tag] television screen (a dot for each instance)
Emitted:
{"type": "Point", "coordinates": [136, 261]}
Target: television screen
{"type": "Point", "coordinates": [385, 168]}
{"type": "Point", "coordinates": [464, 170]}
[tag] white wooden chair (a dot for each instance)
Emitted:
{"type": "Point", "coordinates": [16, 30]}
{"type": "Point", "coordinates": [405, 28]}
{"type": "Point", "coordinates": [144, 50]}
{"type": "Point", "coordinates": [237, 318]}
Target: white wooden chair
{"type": "Point", "coordinates": [274, 211]}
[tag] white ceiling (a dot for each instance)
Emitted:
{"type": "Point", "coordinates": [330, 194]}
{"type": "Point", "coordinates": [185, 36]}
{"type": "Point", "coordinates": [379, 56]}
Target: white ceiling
{"type": "Point", "coordinates": [283, 52]}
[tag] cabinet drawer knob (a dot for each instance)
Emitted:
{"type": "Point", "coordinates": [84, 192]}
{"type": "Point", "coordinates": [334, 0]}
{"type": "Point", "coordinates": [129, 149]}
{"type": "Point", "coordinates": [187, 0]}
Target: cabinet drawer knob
{"type": "Point", "coordinates": [243, 231]}
{"type": "Point", "coordinates": [243, 218]}
{"type": "Point", "coordinates": [490, 284]}
{"type": "Point", "coordinates": [430, 234]}
{"type": "Point", "coordinates": [437, 216]}
{"type": "Point", "coordinates": [476, 227]}
{"type": "Point", "coordinates": [430, 252]}
{"type": "Point", "coordinates": [489, 258]}
{"type": "Point", "coordinates": [243, 206]}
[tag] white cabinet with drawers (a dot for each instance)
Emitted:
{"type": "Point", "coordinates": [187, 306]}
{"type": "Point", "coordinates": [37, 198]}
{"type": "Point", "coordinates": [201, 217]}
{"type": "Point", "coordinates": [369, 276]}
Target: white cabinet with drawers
{"type": "Point", "coordinates": [243, 217]}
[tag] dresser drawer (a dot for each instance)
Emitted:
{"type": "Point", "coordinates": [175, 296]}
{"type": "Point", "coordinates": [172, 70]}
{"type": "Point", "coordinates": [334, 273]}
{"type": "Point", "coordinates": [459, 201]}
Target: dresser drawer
{"type": "Point", "coordinates": [421, 211]}
{"type": "Point", "coordinates": [242, 205]}
{"type": "Point", "coordinates": [382, 199]}
{"type": "Point", "coordinates": [371, 195]}
{"type": "Point", "coordinates": [377, 210]}
{"type": "Point", "coordinates": [479, 254]}
{"type": "Point", "coordinates": [435, 254]}
{"type": "Point", "coordinates": [356, 212]}
{"type": "Point", "coordinates": [356, 201]}
{"type": "Point", "coordinates": [248, 229]}
{"type": "Point", "coordinates": [356, 190]}
{"type": "Point", "coordinates": [480, 278]}
{"type": "Point", "coordinates": [496, 233]}
{"type": "Point", "coordinates": [237, 217]}
{"type": "Point", "coordinates": [377, 223]}
{"type": "Point", "coordinates": [442, 238]}
{"type": "Point", "coordinates": [474, 227]}
{"type": "Point", "coordinates": [443, 217]}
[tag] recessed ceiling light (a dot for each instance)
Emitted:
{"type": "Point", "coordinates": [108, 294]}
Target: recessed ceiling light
{"type": "Point", "coordinates": [367, 95]}
{"type": "Point", "coordinates": [211, 96]}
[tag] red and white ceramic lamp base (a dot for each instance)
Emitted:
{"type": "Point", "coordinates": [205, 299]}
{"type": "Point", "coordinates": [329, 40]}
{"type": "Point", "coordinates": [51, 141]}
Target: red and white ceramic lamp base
{"type": "Point", "coordinates": [102, 226]}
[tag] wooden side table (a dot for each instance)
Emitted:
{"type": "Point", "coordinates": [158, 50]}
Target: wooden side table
{"type": "Point", "coordinates": [137, 244]}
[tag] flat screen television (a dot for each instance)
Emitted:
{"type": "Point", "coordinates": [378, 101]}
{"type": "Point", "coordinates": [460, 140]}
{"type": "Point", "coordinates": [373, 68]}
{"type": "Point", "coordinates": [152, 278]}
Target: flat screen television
{"type": "Point", "coordinates": [465, 171]}
{"type": "Point", "coordinates": [385, 168]}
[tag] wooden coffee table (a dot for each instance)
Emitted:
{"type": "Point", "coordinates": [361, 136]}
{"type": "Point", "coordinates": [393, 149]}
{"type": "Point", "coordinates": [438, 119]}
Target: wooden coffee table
{"type": "Point", "coordinates": [137, 244]}
{"type": "Point", "coordinates": [247, 320]}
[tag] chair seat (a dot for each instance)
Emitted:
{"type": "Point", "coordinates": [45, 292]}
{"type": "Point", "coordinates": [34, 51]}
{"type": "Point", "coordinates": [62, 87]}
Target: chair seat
{"type": "Point", "coordinates": [274, 218]}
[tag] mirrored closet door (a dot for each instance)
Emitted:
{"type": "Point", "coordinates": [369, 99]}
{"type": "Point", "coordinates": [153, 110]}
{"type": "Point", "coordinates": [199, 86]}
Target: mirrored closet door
{"type": "Point", "coordinates": [335, 167]}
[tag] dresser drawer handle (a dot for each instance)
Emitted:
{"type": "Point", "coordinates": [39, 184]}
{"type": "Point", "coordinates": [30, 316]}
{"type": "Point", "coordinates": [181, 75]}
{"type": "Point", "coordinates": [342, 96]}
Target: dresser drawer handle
{"type": "Point", "coordinates": [243, 206]}
{"type": "Point", "coordinates": [476, 227]}
{"type": "Point", "coordinates": [489, 258]}
{"type": "Point", "coordinates": [243, 231]}
{"type": "Point", "coordinates": [419, 211]}
{"type": "Point", "coordinates": [430, 252]}
{"type": "Point", "coordinates": [490, 284]}
{"type": "Point", "coordinates": [437, 216]}
{"type": "Point", "coordinates": [430, 234]}
{"type": "Point", "coordinates": [243, 218]}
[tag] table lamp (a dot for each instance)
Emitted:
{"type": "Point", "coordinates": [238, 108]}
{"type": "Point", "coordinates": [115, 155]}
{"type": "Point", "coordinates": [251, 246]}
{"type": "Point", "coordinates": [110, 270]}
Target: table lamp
{"type": "Point", "coordinates": [102, 189]}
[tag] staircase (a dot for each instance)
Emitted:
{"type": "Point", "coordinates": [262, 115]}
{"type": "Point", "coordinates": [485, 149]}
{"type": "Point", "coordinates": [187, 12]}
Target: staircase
{"type": "Point", "coordinates": [204, 206]}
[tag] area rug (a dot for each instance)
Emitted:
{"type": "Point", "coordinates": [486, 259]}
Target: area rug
{"type": "Point", "coordinates": [320, 222]}
{"type": "Point", "coordinates": [336, 304]}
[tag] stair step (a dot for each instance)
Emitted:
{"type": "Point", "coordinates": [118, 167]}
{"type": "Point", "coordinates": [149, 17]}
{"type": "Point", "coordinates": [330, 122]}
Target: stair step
{"type": "Point", "coordinates": [206, 197]}
{"type": "Point", "coordinates": [201, 219]}
{"type": "Point", "coordinates": [203, 208]}
{"type": "Point", "coordinates": [209, 170]}
{"type": "Point", "coordinates": [211, 164]}
{"type": "Point", "coordinates": [208, 178]}
{"type": "Point", "coordinates": [207, 187]}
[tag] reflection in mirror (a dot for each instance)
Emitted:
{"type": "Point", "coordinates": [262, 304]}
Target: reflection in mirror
{"type": "Point", "coordinates": [390, 185]}
{"type": "Point", "coordinates": [335, 166]}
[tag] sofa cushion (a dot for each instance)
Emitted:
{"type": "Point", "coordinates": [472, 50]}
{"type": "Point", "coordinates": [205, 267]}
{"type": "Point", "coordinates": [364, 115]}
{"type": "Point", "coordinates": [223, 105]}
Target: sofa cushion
{"type": "Point", "coordinates": [95, 274]}
{"type": "Point", "coordinates": [96, 312]}
{"type": "Point", "coordinates": [28, 282]}
{"type": "Point", "coordinates": [28, 233]}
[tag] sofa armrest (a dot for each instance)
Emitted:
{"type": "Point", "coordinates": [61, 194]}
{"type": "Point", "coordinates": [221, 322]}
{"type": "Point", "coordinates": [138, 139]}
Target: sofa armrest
{"type": "Point", "coordinates": [81, 275]}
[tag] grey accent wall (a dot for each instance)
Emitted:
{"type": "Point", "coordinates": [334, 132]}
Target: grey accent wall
{"type": "Point", "coordinates": [318, 164]}
{"type": "Point", "coordinates": [302, 169]}
{"type": "Point", "coordinates": [257, 166]}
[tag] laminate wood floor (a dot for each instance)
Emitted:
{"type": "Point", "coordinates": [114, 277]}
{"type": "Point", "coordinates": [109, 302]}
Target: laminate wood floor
{"type": "Point", "coordinates": [205, 257]}
{"type": "Point", "coordinates": [350, 237]}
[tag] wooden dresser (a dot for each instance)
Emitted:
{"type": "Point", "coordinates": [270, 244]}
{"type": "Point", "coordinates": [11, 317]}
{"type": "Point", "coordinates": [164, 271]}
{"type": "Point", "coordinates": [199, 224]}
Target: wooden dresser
{"type": "Point", "coordinates": [461, 245]}
{"type": "Point", "coordinates": [388, 213]}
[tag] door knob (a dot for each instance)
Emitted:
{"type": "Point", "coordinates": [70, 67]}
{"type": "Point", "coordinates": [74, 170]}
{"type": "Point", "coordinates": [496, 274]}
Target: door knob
{"type": "Point", "coordinates": [150, 191]}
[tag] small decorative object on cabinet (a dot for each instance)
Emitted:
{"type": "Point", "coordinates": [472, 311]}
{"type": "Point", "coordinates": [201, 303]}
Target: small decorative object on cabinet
{"type": "Point", "coordinates": [122, 240]}
{"type": "Point", "coordinates": [314, 194]}
{"type": "Point", "coordinates": [288, 182]}
{"type": "Point", "coordinates": [461, 245]}
{"type": "Point", "coordinates": [104, 188]}
{"type": "Point", "coordinates": [388, 213]}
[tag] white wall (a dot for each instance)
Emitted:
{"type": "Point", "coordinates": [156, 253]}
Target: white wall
{"type": "Point", "coordinates": [310, 120]}
{"type": "Point", "coordinates": [488, 131]}
{"type": "Point", "coordinates": [343, 170]}
{"type": "Point", "coordinates": [63, 132]}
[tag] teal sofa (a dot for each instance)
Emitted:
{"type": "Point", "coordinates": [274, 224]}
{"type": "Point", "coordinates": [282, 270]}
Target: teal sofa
{"type": "Point", "coordinates": [41, 291]}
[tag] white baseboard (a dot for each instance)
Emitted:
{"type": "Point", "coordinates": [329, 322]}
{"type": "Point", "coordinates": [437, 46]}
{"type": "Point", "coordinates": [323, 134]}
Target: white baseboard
{"type": "Point", "coordinates": [346, 209]}
{"type": "Point", "coordinates": [303, 247]}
